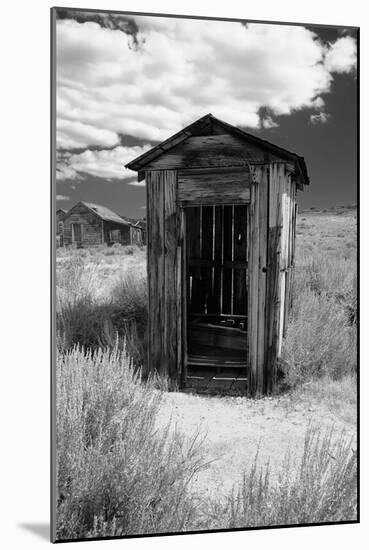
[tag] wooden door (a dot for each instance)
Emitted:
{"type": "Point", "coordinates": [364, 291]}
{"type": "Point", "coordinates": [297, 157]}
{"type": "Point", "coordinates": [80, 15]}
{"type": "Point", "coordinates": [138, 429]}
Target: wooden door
{"type": "Point", "coordinates": [77, 232]}
{"type": "Point", "coordinates": [216, 239]}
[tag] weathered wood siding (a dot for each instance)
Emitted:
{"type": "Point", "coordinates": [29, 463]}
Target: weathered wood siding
{"type": "Point", "coordinates": [274, 280]}
{"type": "Point", "coordinates": [265, 292]}
{"type": "Point", "coordinates": [92, 226]}
{"type": "Point", "coordinates": [282, 222]}
{"type": "Point", "coordinates": [220, 151]}
{"type": "Point", "coordinates": [114, 233]}
{"type": "Point", "coordinates": [135, 235]}
{"type": "Point", "coordinates": [162, 255]}
{"type": "Point", "coordinates": [271, 260]}
{"type": "Point", "coordinates": [217, 186]}
{"type": "Point", "coordinates": [181, 298]}
{"type": "Point", "coordinates": [258, 224]}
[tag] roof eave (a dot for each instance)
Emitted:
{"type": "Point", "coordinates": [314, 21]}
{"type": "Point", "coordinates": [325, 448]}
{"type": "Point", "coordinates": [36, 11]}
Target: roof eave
{"type": "Point", "coordinates": [138, 163]}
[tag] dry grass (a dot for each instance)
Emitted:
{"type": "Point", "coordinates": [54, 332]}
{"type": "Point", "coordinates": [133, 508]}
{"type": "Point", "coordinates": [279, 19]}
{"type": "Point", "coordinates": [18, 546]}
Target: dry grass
{"type": "Point", "coordinates": [321, 337]}
{"type": "Point", "coordinates": [116, 475]}
{"type": "Point", "coordinates": [320, 486]}
{"type": "Point", "coordinates": [99, 303]}
{"type": "Point", "coordinates": [339, 397]}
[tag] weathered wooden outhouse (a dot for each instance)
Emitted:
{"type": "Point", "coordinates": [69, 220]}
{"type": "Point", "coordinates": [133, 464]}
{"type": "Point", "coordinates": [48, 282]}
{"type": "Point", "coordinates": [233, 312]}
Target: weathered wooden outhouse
{"type": "Point", "coordinates": [221, 217]}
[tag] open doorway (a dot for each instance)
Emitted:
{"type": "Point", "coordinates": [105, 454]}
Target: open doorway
{"type": "Point", "coordinates": [216, 286]}
{"type": "Point", "coordinates": [77, 233]}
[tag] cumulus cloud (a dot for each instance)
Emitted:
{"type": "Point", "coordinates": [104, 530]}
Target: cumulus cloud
{"type": "Point", "coordinates": [268, 122]}
{"type": "Point", "coordinates": [62, 198]}
{"type": "Point", "coordinates": [72, 134]}
{"type": "Point", "coordinates": [320, 117]}
{"type": "Point", "coordinates": [152, 76]}
{"type": "Point", "coordinates": [341, 55]}
{"type": "Point", "coordinates": [107, 164]}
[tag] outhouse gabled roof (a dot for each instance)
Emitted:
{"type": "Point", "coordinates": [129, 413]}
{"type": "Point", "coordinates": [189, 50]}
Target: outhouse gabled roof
{"type": "Point", "coordinates": [206, 126]}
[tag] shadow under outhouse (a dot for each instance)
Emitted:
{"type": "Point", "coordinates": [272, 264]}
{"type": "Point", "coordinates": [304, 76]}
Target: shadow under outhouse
{"type": "Point", "coordinates": [221, 217]}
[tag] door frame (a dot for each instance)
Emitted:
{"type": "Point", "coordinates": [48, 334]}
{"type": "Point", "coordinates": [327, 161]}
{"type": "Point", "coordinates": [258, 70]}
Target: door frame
{"type": "Point", "coordinates": [73, 232]}
{"type": "Point", "coordinates": [181, 284]}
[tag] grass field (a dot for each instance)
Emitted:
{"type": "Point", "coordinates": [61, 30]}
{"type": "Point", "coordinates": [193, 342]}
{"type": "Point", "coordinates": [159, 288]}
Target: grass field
{"type": "Point", "coordinates": [135, 458]}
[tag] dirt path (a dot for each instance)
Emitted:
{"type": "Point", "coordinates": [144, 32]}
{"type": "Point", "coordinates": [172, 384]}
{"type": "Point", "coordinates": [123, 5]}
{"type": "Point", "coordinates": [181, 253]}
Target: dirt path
{"type": "Point", "coordinates": [235, 426]}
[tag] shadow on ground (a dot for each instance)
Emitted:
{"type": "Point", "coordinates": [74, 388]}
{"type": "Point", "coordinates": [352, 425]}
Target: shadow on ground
{"type": "Point", "coordinates": [42, 530]}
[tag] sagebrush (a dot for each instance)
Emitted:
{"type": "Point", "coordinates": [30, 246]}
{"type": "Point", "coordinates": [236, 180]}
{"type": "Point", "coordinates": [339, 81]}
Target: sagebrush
{"type": "Point", "coordinates": [117, 475]}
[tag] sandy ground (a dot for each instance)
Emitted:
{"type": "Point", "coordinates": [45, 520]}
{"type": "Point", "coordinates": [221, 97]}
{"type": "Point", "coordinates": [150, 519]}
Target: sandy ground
{"type": "Point", "coordinates": [236, 426]}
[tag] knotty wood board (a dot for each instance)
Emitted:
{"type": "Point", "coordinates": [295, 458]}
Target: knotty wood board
{"type": "Point", "coordinates": [196, 188]}
{"type": "Point", "coordinates": [221, 150]}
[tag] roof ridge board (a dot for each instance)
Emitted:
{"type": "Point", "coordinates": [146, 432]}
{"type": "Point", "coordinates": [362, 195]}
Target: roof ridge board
{"type": "Point", "coordinates": [104, 218]}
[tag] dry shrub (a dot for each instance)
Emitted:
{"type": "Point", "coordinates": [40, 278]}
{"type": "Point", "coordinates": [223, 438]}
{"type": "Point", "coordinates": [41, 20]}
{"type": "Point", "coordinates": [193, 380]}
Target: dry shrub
{"type": "Point", "coordinates": [319, 341]}
{"type": "Point", "coordinates": [321, 335]}
{"type": "Point", "coordinates": [117, 475]}
{"type": "Point", "coordinates": [320, 487]}
{"type": "Point", "coordinates": [93, 317]}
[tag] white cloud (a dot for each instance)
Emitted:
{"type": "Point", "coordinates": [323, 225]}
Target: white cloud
{"type": "Point", "coordinates": [268, 122]}
{"type": "Point", "coordinates": [341, 55]}
{"type": "Point", "coordinates": [175, 72]}
{"type": "Point", "coordinates": [106, 164]}
{"type": "Point", "coordinates": [318, 103]}
{"type": "Point", "coordinates": [62, 198]}
{"type": "Point", "coordinates": [74, 134]}
{"type": "Point", "coordinates": [320, 117]}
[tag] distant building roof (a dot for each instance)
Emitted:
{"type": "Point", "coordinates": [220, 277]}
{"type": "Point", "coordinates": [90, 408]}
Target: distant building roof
{"type": "Point", "coordinates": [140, 223]}
{"type": "Point", "coordinates": [131, 221]}
{"type": "Point", "coordinates": [105, 213]}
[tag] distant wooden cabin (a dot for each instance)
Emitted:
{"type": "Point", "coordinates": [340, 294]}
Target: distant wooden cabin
{"type": "Point", "coordinates": [89, 224]}
{"type": "Point", "coordinates": [221, 219]}
{"type": "Point", "coordinates": [60, 213]}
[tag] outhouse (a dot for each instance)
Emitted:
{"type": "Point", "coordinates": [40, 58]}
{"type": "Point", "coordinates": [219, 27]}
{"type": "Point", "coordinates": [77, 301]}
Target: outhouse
{"type": "Point", "coordinates": [221, 218]}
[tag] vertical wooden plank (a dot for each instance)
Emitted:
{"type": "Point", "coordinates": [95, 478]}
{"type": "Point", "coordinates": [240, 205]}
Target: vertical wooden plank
{"type": "Point", "coordinates": [215, 303]}
{"type": "Point", "coordinates": [253, 282]}
{"type": "Point", "coordinates": [282, 306]}
{"type": "Point", "coordinates": [273, 277]}
{"type": "Point", "coordinates": [195, 303]}
{"type": "Point", "coordinates": [289, 274]}
{"type": "Point", "coordinates": [263, 235]}
{"type": "Point", "coordinates": [240, 251]}
{"type": "Point", "coordinates": [181, 299]}
{"type": "Point", "coordinates": [161, 252]}
{"type": "Point", "coordinates": [169, 182]}
{"type": "Point", "coordinates": [227, 255]}
{"type": "Point", "coordinates": [207, 254]}
{"type": "Point", "coordinates": [155, 268]}
{"type": "Point", "coordinates": [149, 269]}
{"type": "Point", "coordinates": [293, 245]}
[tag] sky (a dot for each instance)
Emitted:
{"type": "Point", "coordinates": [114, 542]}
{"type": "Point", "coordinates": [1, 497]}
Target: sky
{"type": "Point", "coordinates": [125, 83]}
